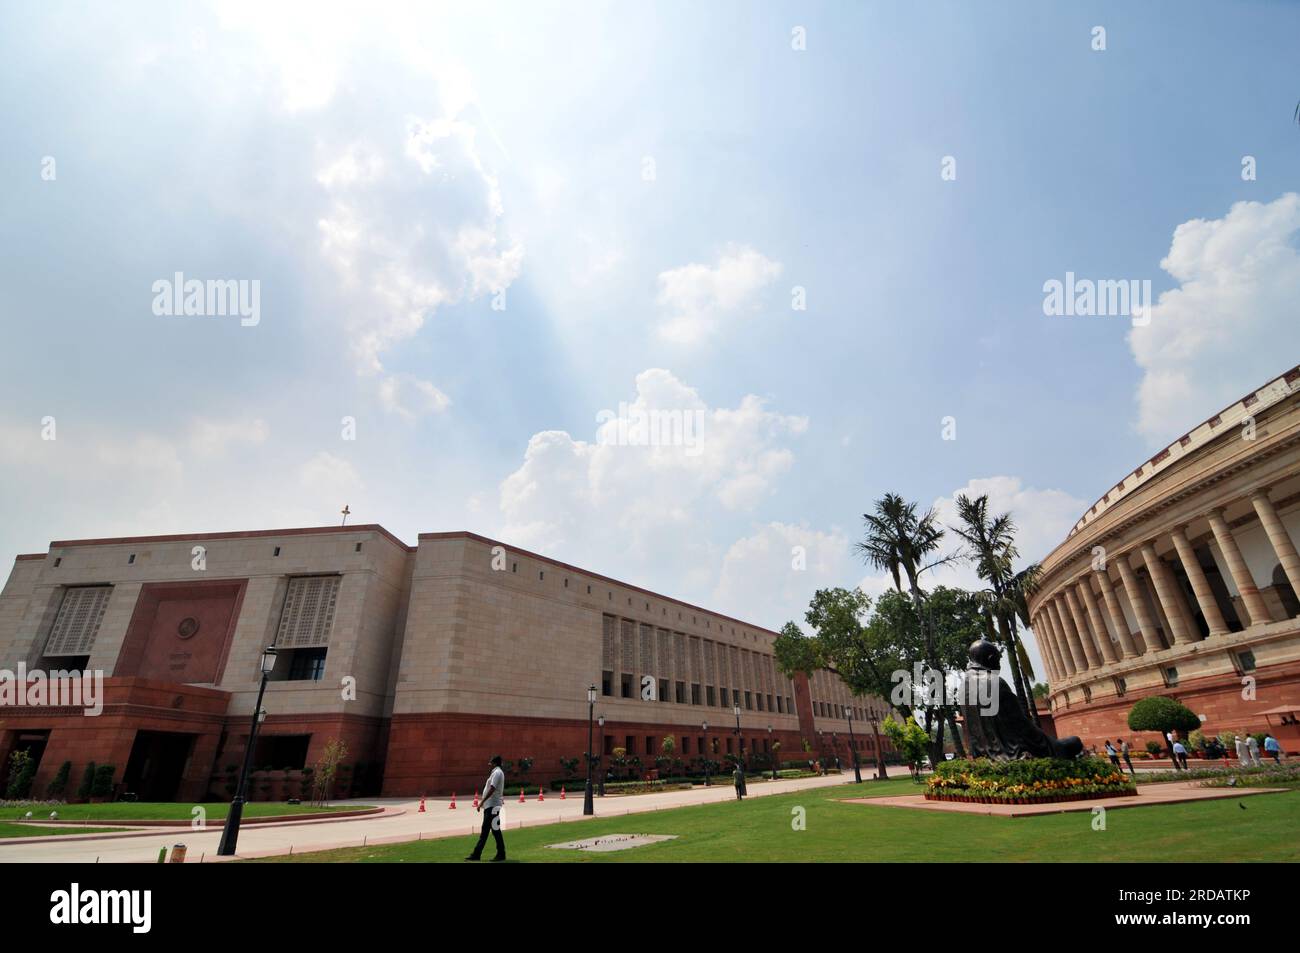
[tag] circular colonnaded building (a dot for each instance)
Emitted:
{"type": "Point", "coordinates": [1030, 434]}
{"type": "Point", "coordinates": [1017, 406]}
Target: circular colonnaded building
{"type": "Point", "coordinates": [1181, 581]}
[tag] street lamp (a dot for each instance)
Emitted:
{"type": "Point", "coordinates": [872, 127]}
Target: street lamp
{"type": "Point", "coordinates": [771, 753]}
{"type": "Point", "coordinates": [230, 834]}
{"type": "Point", "coordinates": [881, 774]}
{"type": "Point", "coordinates": [600, 758]}
{"type": "Point", "coordinates": [853, 745]}
{"type": "Point", "coordinates": [704, 727]}
{"type": "Point", "coordinates": [588, 807]}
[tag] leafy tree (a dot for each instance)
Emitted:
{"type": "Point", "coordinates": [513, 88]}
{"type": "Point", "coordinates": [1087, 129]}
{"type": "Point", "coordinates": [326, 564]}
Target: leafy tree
{"type": "Point", "coordinates": [102, 786]}
{"type": "Point", "coordinates": [59, 784]}
{"type": "Point", "coordinates": [21, 771]}
{"type": "Point", "coordinates": [327, 768]}
{"type": "Point", "coordinates": [87, 782]}
{"type": "Point", "coordinates": [1163, 714]}
{"type": "Point", "coordinates": [1040, 690]}
{"type": "Point", "coordinates": [992, 548]}
{"type": "Point", "coordinates": [909, 739]}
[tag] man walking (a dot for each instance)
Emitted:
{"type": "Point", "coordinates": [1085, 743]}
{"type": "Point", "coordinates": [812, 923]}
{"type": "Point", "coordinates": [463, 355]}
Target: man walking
{"type": "Point", "coordinates": [1180, 755]}
{"type": "Point", "coordinates": [738, 778]}
{"type": "Point", "coordinates": [1272, 748]}
{"type": "Point", "coordinates": [1124, 750]}
{"type": "Point", "coordinates": [1252, 748]}
{"type": "Point", "coordinates": [490, 805]}
{"type": "Point", "coordinates": [1112, 753]}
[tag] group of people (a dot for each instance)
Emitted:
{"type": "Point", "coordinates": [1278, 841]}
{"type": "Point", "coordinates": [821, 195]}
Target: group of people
{"type": "Point", "coordinates": [1247, 751]}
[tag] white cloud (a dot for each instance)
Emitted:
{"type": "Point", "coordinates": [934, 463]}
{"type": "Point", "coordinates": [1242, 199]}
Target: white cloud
{"type": "Point", "coordinates": [613, 502]}
{"type": "Point", "coordinates": [215, 437]}
{"type": "Point", "coordinates": [765, 578]}
{"type": "Point", "coordinates": [1230, 325]}
{"type": "Point", "coordinates": [697, 299]}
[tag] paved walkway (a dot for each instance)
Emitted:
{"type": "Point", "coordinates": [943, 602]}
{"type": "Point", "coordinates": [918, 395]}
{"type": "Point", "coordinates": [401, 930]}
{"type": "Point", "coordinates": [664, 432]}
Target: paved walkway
{"type": "Point", "coordinates": [400, 822]}
{"type": "Point", "coordinates": [1165, 792]}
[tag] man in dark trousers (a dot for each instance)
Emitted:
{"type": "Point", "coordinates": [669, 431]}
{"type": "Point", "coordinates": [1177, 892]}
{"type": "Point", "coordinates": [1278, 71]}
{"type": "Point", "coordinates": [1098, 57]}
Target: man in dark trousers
{"type": "Point", "coordinates": [490, 805]}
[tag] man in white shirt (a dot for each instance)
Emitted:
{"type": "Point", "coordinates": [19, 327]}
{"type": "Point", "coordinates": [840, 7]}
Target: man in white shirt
{"type": "Point", "coordinates": [490, 805]}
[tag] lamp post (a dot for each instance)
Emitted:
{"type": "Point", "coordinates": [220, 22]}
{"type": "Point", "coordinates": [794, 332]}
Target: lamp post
{"type": "Point", "coordinates": [821, 749]}
{"type": "Point", "coordinates": [835, 751]}
{"type": "Point", "coordinates": [704, 727]}
{"type": "Point", "coordinates": [588, 807]}
{"type": "Point", "coordinates": [881, 774]}
{"type": "Point", "coordinates": [600, 759]}
{"type": "Point", "coordinates": [230, 834]}
{"type": "Point", "coordinates": [853, 746]}
{"type": "Point", "coordinates": [770, 753]}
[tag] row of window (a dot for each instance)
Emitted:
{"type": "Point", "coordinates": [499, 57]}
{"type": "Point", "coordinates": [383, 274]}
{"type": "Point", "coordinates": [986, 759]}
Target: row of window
{"type": "Point", "coordinates": [663, 690]}
{"type": "Point", "coordinates": [702, 745]}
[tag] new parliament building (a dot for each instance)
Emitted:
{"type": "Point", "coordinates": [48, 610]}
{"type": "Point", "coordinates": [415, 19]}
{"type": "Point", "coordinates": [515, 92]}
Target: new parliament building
{"type": "Point", "coordinates": [1182, 580]}
{"type": "Point", "coordinates": [424, 660]}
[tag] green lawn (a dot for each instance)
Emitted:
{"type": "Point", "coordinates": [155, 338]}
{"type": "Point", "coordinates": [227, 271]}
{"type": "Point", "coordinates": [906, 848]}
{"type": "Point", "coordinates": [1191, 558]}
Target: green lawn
{"type": "Point", "coordinates": [30, 830]}
{"type": "Point", "coordinates": [760, 830]}
{"type": "Point", "coordinates": [165, 811]}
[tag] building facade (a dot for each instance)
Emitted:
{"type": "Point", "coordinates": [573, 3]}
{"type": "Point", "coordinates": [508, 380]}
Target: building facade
{"type": "Point", "coordinates": [424, 660]}
{"type": "Point", "coordinates": [1182, 580]}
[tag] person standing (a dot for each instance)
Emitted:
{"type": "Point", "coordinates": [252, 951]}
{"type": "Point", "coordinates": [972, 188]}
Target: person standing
{"type": "Point", "coordinates": [1272, 748]}
{"type": "Point", "coordinates": [738, 778]}
{"type": "Point", "coordinates": [1252, 748]}
{"type": "Point", "coordinates": [1243, 754]}
{"type": "Point", "coordinates": [1124, 750]}
{"type": "Point", "coordinates": [1112, 753]}
{"type": "Point", "coordinates": [490, 807]}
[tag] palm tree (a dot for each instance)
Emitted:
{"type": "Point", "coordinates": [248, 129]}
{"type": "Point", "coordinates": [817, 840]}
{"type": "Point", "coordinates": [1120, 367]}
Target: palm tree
{"type": "Point", "coordinates": [900, 541]}
{"type": "Point", "coordinates": [993, 551]}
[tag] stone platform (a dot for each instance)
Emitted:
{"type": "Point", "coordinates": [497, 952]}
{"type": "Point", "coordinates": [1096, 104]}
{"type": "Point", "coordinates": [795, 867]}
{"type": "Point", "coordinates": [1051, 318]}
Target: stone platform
{"type": "Point", "coordinates": [1169, 792]}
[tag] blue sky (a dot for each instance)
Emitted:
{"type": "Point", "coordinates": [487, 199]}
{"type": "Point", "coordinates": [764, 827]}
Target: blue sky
{"type": "Point", "coordinates": [386, 173]}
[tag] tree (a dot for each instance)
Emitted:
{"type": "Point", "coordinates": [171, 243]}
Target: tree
{"type": "Point", "coordinates": [909, 739]}
{"type": "Point", "coordinates": [327, 767]}
{"type": "Point", "coordinates": [900, 541]}
{"type": "Point", "coordinates": [1040, 689]}
{"type": "Point", "coordinates": [59, 784]}
{"type": "Point", "coordinates": [21, 771]}
{"type": "Point", "coordinates": [102, 786]}
{"type": "Point", "coordinates": [993, 551]}
{"type": "Point", "coordinates": [87, 782]}
{"type": "Point", "coordinates": [1163, 714]}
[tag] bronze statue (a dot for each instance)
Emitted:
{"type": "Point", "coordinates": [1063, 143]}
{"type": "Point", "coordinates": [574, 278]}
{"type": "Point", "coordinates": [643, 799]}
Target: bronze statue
{"type": "Point", "coordinates": [996, 726]}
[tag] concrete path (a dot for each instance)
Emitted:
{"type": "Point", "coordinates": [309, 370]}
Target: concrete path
{"type": "Point", "coordinates": [400, 822]}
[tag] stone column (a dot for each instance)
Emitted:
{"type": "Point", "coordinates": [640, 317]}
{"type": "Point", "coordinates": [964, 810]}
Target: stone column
{"type": "Point", "coordinates": [1049, 640]}
{"type": "Point", "coordinates": [1167, 593]}
{"type": "Point", "coordinates": [1064, 662]}
{"type": "Point", "coordinates": [1237, 568]}
{"type": "Point", "coordinates": [1061, 616]}
{"type": "Point", "coordinates": [1116, 614]}
{"type": "Point", "coordinates": [1279, 537]}
{"type": "Point", "coordinates": [1081, 626]}
{"type": "Point", "coordinates": [1044, 647]}
{"type": "Point", "coordinates": [1098, 623]}
{"type": "Point", "coordinates": [1146, 625]}
{"type": "Point", "coordinates": [1200, 585]}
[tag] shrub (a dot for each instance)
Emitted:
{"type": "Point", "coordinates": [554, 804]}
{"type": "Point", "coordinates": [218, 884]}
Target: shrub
{"type": "Point", "coordinates": [21, 771]}
{"type": "Point", "coordinates": [1029, 779]}
{"type": "Point", "coordinates": [1155, 749]}
{"type": "Point", "coordinates": [1161, 713]}
{"type": "Point", "coordinates": [57, 787]}
{"type": "Point", "coordinates": [87, 782]}
{"type": "Point", "coordinates": [102, 786]}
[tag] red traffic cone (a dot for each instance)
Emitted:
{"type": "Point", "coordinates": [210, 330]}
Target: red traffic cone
{"type": "Point", "coordinates": [521, 796]}
{"type": "Point", "coordinates": [452, 805]}
{"type": "Point", "coordinates": [541, 795]}
{"type": "Point", "coordinates": [562, 797]}
{"type": "Point", "coordinates": [421, 810]}
{"type": "Point", "coordinates": [476, 800]}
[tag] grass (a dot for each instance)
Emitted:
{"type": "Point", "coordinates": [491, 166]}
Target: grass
{"type": "Point", "coordinates": [1259, 828]}
{"type": "Point", "coordinates": [166, 811]}
{"type": "Point", "coordinates": [8, 830]}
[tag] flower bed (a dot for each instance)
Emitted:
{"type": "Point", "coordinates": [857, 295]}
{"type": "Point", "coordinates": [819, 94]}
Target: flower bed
{"type": "Point", "coordinates": [1030, 781]}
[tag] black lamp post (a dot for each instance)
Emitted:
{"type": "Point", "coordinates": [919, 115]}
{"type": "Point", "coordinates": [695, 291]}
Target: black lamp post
{"type": "Point", "coordinates": [770, 752]}
{"type": "Point", "coordinates": [587, 806]}
{"type": "Point", "coordinates": [230, 834]}
{"type": "Point", "coordinates": [853, 746]}
{"type": "Point", "coordinates": [704, 727]}
{"type": "Point", "coordinates": [821, 749]}
{"type": "Point", "coordinates": [881, 774]}
{"type": "Point", "coordinates": [600, 759]}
